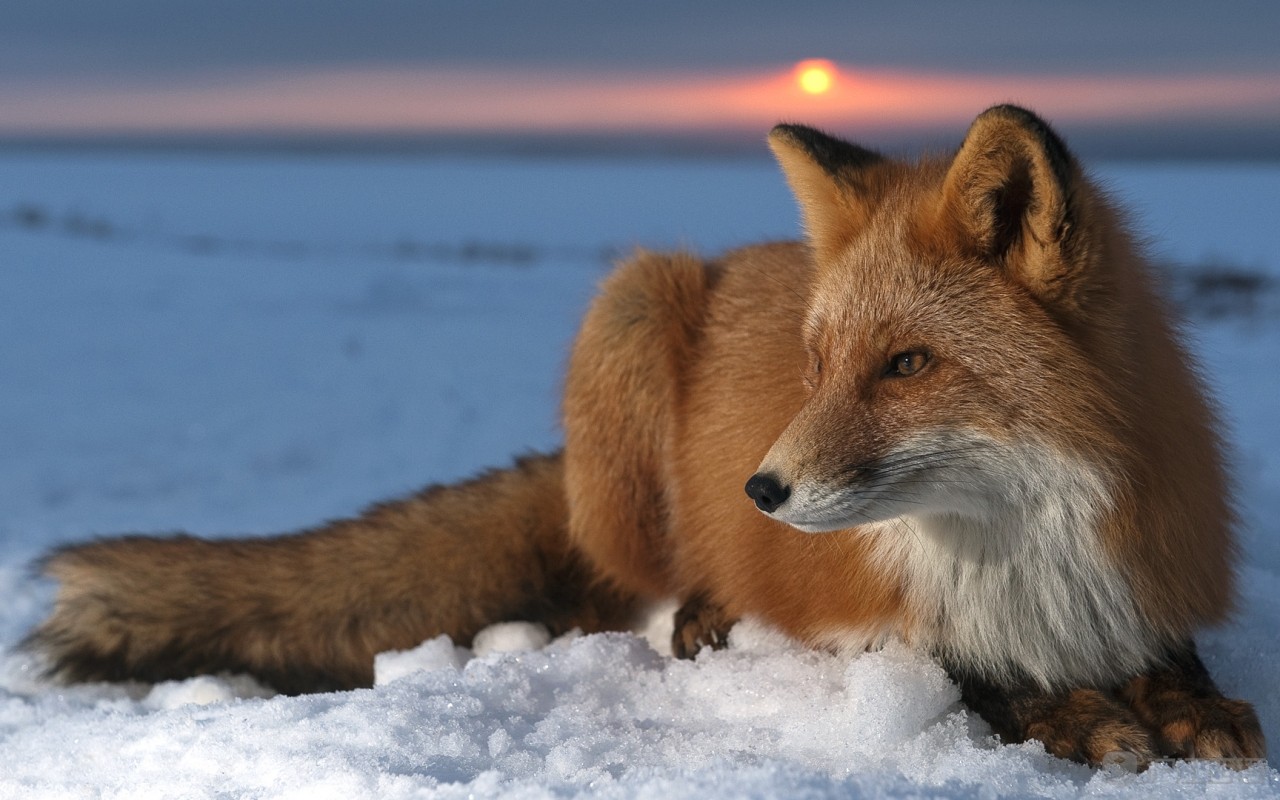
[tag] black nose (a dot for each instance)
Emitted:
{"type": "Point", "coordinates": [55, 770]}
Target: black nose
{"type": "Point", "coordinates": [767, 492]}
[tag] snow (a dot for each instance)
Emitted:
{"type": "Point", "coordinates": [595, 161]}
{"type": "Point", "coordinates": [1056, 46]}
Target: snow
{"type": "Point", "coordinates": [238, 344]}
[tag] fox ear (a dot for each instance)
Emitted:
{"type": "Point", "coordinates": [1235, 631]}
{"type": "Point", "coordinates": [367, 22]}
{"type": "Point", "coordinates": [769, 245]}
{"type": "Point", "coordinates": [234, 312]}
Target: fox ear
{"type": "Point", "coordinates": [1014, 189]}
{"type": "Point", "coordinates": [825, 174]}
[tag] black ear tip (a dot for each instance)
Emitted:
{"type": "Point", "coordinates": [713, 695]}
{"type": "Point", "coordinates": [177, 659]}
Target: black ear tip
{"type": "Point", "coordinates": [1017, 116]}
{"type": "Point", "coordinates": [827, 151]}
{"type": "Point", "coordinates": [793, 133]}
{"type": "Point", "coordinates": [1033, 124]}
{"type": "Point", "coordinates": [1013, 113]}
{"type": "Point", "coordinates": [798, 132]}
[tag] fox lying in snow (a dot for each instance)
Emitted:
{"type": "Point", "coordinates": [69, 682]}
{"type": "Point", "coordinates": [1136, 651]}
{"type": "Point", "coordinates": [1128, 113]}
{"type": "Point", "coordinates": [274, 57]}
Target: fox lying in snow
{"type": "Point", "coordinates": [960, 406]}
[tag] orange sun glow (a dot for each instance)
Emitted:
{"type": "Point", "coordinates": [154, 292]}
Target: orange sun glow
{"type": "Point", "coordinates": [815, 76]}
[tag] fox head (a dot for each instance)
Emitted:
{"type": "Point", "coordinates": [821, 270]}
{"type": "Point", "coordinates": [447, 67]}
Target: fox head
{"type": "Point", "coordinates": [996, 397]}
{"type": "Point", "coordinates": [961, 335]}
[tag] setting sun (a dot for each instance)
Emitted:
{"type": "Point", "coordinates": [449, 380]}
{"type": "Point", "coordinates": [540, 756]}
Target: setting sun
{"type": "Point", "coordinates": [815, 76]}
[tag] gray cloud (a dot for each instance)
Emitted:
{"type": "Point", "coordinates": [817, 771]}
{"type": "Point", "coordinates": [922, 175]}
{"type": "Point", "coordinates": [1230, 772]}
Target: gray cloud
{"type": "Point", "coordinates": [151, 39]}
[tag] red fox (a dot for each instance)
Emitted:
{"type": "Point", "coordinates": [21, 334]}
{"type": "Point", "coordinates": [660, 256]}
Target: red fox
{"type": "Point", "coordinates": [962, 417]}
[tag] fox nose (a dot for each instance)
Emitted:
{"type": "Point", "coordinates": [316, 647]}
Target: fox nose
{"type": "Point", "coordinates": [767, 491]}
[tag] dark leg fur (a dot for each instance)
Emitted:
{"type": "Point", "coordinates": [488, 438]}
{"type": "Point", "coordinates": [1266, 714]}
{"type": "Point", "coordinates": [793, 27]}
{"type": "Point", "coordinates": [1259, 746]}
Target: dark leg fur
{"type": "Point", "coordinates": [1173, 711]}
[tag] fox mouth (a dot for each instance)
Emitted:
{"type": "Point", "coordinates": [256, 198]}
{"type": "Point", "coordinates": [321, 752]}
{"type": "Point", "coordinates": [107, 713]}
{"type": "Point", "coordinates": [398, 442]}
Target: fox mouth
{"type": "Point", "coordinates": [816, 508]}
{"type": "Point", "coordinates": [942, 473]}
{"type": "Point", "coordinates": [826, 511]}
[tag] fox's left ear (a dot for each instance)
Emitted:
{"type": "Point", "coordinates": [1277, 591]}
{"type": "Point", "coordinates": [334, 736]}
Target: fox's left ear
{"type": "Point", "coordinates": [828, 177]}
{"type": "Point", "coordinates": [1014, 189]}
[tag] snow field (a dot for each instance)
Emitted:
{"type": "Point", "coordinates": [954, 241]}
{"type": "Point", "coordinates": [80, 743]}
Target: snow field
{"type": "Point", "coordinates": [241, 345]}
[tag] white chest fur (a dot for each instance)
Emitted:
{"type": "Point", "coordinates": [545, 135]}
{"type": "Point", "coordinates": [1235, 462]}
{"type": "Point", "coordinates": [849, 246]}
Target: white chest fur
{"type": "Point", "coordinates": [1020, 580]}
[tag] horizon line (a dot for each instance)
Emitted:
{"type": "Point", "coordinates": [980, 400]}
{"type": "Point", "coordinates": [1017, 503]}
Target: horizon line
{"type": "Point", "coordinates": [1111, 142]}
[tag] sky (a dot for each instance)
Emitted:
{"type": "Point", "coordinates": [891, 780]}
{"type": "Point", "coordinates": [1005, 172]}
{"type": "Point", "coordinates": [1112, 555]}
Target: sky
{"type": "Point", "coordinates": [1174, 78]}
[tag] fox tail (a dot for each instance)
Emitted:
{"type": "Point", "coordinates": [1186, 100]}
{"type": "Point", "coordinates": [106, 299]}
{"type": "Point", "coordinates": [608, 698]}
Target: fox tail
{"type": "Point", "coordinates": [308, 611]}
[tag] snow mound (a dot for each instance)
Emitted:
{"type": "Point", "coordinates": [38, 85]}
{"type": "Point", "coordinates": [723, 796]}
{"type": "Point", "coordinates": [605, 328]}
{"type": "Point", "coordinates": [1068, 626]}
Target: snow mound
{"type": "Point", "coordinates": [602, 715]}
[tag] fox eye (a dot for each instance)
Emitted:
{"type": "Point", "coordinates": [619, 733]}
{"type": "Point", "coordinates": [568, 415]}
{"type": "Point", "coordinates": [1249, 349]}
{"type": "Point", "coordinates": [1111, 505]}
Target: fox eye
{"type": "Point", "coordinates": [904, 365]}
{"type": "Point", "coordinates": [814, 374]}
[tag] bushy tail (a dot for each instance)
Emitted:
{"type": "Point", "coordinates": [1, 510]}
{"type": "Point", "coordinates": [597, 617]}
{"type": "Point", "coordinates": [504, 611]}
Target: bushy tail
{"type": "Point", "coordinates": [307, 611]}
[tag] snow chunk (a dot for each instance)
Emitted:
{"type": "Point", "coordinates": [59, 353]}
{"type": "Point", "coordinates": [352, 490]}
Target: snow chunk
{"type": "Point", "coordinates": [511, 637]}
{"type": "Point", "coordinates": [434, 654]}
{"type": "Point", "coordinates": [202, 691]}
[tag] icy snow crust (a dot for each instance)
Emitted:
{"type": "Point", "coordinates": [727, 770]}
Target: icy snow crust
{"type": "Point", "coordinates": [248, 345]}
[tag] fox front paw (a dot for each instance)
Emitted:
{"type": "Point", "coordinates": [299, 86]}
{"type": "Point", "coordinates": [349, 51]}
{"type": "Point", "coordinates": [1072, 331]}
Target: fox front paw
{"type": "Point", "coordinates": [700, 622]}
{"type": "Point", "coordinates": [1088, 726]}
{"type": "Point", "coordinates": [1191, 726]}
{"type": "Point", "coordinates": [1173, 710]}
{"type": "Point", "coordinates": [1189, 716]}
